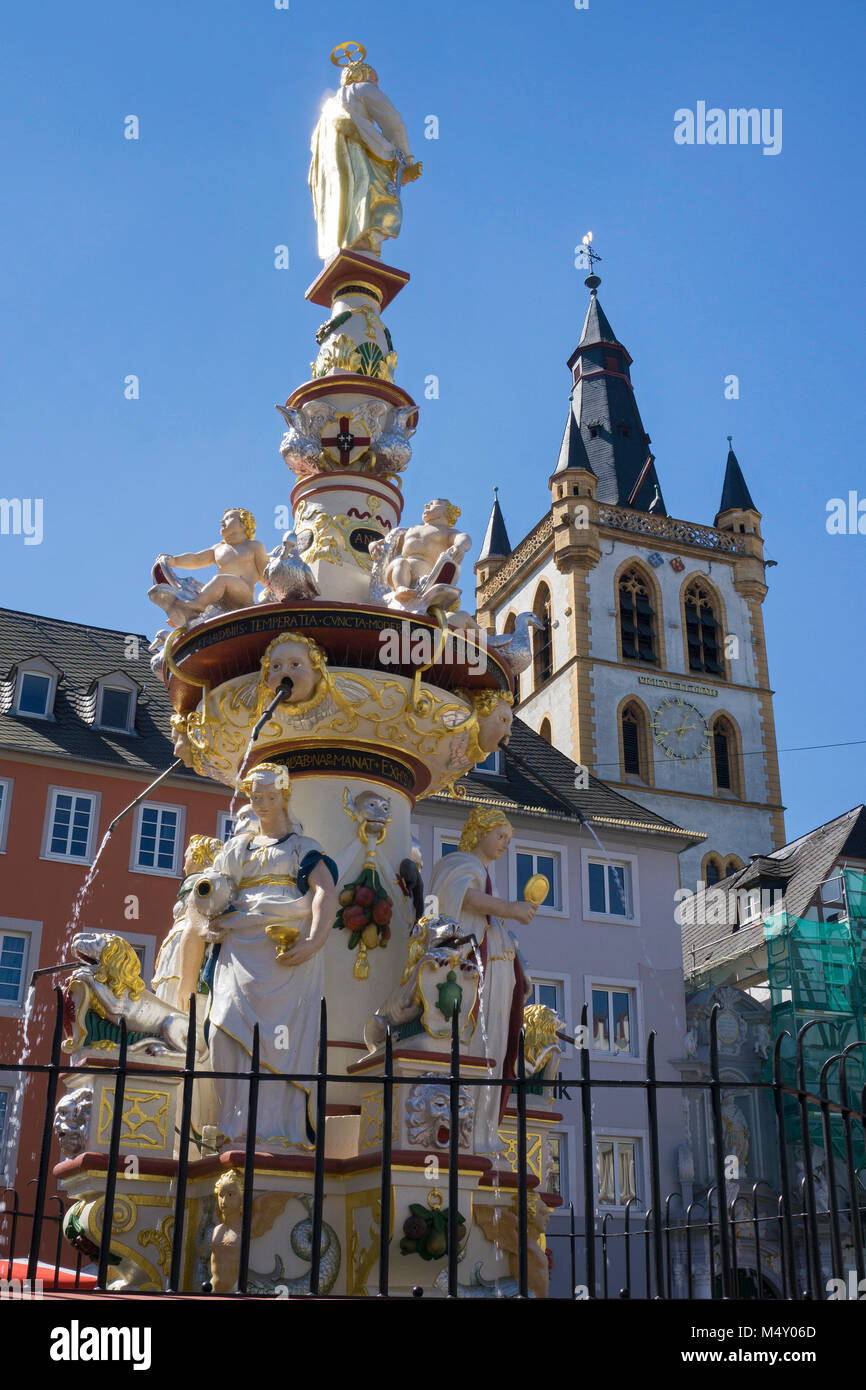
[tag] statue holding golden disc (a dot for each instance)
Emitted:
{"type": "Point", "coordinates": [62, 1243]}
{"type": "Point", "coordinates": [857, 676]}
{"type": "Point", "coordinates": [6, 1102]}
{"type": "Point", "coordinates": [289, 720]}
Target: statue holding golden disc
{"type": "Point", "coordinates": [360, 158]}
{"type": "Point", "coordinates": [537, 889]}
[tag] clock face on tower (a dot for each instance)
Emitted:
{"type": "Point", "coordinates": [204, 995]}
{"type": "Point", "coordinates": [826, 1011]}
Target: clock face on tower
{"type": "Point", "coordinates": [680, 729]}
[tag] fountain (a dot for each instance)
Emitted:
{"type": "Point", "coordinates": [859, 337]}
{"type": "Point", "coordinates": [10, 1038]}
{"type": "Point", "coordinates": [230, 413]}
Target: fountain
{"type": "Point", "coordinates": [350, 687]}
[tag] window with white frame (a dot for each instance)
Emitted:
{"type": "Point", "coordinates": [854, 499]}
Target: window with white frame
{"type": "Point", "coordinates": [156, 841]}
{"type": "Point", "coordinates": [527, 862]}
{"type": "Point", "coordinates": [610, 888]}
{"type": "Point", "coordinates": [225, 825]}
{"type": "Point", "coordinates": [557, 1172]}
{"type": "Point", "coordinates": [492, 764]}
{"type": "Point", "coordinates": [14, 950]}
{"type": "Point", "coordinates": [35, 687]}
{"type": "Point", "coordinates": [614, 1020]}
{"type": "Point", "coordinates": [5, 803]}
{"type": "Point", "coordinates": [549, 993]}
{"type": "Point", "coordinates": [618, 1165]}
{"type": "Point", "coordinates": [70, 825]}
{"type": "Point", "coordinates": [448, 844]}
{"type": "Point", "coordinates": [116, 705]}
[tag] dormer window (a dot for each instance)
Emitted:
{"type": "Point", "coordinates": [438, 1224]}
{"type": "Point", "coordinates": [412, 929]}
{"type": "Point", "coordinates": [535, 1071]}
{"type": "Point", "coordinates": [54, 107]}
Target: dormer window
{"type": "Point", "coordinates": [115, 704]}
{"type": "Point", "coordinates": [35, 688]}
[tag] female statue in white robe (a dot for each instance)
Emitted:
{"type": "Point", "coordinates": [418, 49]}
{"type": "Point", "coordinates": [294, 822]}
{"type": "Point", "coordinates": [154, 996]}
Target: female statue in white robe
{"type": "Point", "coordinates": [282, 878]}
{"type": "Point", "coordinates": [461, 883]}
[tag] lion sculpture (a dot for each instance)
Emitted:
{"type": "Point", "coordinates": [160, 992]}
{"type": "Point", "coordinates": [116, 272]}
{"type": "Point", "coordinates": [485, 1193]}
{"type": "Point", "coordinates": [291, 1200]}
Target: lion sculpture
{"type": "Point", "coordinates": [107, 987]}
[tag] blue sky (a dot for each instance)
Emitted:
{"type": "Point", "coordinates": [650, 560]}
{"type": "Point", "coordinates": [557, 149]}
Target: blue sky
{"type": "Point", "coordinates": [155, 257]}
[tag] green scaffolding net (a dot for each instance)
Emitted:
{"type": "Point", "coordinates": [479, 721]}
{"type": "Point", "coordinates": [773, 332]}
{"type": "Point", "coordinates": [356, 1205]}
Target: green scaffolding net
{"type": "Point", "coordinates": [817, 975]}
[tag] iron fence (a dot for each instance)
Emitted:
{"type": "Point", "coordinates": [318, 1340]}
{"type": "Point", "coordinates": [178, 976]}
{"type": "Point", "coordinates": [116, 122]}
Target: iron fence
{"type": "Point", "coordinates": [662, 1253]}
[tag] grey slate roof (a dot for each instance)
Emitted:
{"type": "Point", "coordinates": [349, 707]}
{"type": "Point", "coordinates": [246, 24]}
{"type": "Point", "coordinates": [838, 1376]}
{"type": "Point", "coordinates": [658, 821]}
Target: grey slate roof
{"type": "Point", "coordinates": [735, 494]}
{"type": "Point", "coordinates": [610, 428]}
{"type": "Point", "coordinates": [517, 790]}
{"type": "Point", "coordinates": [796, 870]}
{"type": "Point", "coordinates": [572, 450]}
{"type": "Point", "coordinates": [83, 654]}
{"type": "Point", "coordinates": [496, 542]}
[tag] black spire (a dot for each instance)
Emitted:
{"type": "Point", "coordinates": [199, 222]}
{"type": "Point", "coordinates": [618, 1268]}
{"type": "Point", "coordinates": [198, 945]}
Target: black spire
{"type": "Point", "coordinates": [609, 431]}
{"type": "Point", "coordinates": [496, 544]}
{"type": "Point", "coordinates": [735, 494]}
{"type": "Point", "coordinates": [572, 451]}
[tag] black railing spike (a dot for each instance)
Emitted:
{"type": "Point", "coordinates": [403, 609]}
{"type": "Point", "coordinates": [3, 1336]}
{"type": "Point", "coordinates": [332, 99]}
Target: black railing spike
{"type": "Point", "coordinates": [249, 1165]}
{"type": "Point", "coordinates": [47, 1132]}
{"type": "Point", "coordinates": [454, 1152]}
{"type": "Point", "coordinates": [319, 1160]}
{"type": "Point", "coordinates": [113, 1159]}
{"type": "Point", "coordinates": [522, 1174]}
{"type": "Point", "coordinates": [589, 1156]}
{"type": "Point", "coordinates": [177, 1235]}
{"type": "Point", "coordinates": [385, 1198]}
{"type": "Point", "coordinates": [655, 1163]}
{"type": "Point", "coordinates": [718, 1137]}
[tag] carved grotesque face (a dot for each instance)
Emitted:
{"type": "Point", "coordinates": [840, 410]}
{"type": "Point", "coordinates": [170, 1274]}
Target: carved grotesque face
{"type": "Point", "coordinates": [232, 528]}
{"type": "Point", "coordinates": [495, 726]}
{"type": "Point", "coordinates": [436, 512]}
{"type": "Point", "coordinates": [292, 659]}
{"type": "Point", "coordinates": [496, 842]}
{"type": "Point", "coordinates": [374, 809]}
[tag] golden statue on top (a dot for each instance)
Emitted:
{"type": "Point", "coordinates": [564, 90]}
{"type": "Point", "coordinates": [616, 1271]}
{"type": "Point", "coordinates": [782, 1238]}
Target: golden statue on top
{"type": "Point", "coordinates": [360, 158]}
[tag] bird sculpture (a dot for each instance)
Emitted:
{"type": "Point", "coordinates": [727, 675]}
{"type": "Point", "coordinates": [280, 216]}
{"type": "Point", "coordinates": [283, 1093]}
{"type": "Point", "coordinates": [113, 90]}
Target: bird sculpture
{"type": "Point", "coordinates": [157, 646]}
{"type": "Point", "coordinates": [382, 552]}
{"type": "Point", "coordinates": [515, 648]}
{"type": "Point", "coordinates": [301, 445]}
{"type": "Point", "coordinates": [392, 448]}
{"type": "Point", "coordinates": [287, 577]}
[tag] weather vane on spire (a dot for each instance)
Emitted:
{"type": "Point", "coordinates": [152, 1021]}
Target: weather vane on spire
{"type": "Point", "coordinates": [592, 280]}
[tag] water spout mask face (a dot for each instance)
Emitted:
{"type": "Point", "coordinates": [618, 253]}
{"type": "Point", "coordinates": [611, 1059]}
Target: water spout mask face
{"type": "Point", "coordinates": [293, 659]}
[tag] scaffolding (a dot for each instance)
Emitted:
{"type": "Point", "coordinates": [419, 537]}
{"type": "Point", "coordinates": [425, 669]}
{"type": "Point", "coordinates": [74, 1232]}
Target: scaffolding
{"type": "Point", "coordinates": [816, 969]}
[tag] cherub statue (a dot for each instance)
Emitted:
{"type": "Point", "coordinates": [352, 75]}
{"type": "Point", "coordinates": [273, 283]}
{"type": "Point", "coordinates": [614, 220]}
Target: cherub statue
{"type": "Point", "coordinates": [240, 560]}
{"type": "Point", "coordinates": [424, 560]}
{"type": "Point", "coordinates": [501, 1227]}
{"type": "Point", "coordinates": [225, 1243]}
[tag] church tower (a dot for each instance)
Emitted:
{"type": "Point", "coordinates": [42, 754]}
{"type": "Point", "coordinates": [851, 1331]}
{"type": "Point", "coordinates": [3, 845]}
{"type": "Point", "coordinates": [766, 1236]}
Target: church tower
{"type": "Point", "coordinates": [650, 667]}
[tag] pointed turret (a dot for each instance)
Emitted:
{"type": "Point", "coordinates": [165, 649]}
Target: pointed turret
{"type": "Point", "coordinates": [496, 544]}
{"type": "Point", "coordinates": [495, 550]}
{"type": "Point", "coordinates": [609, 434]}
{"type": "Point", "coordinates": [735, 494]}
{"type": "Point", "coordinates": [572, 451]}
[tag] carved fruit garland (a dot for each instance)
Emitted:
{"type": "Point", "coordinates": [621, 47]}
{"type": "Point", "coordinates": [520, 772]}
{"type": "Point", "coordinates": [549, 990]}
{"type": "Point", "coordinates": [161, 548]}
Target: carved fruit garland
{"type": "Point", "coordinates": [365, 912]}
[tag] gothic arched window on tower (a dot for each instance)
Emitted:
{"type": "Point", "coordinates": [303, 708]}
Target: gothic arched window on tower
{"type": "Point", "coordinates": [636, 618]}
{"type": "Point", "coordinates": [726, 756]}
{"type": "Point", "coordinates": [703, 642]}
{"type": "Point", "coordinates": [635, 743]}
{"type": "Point", "coordinates": [542, 638]}
{"type": "Point", "coordinates": [545, 731]}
